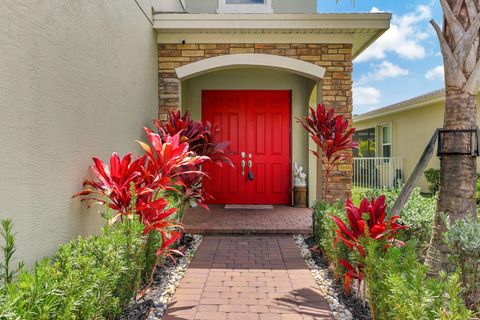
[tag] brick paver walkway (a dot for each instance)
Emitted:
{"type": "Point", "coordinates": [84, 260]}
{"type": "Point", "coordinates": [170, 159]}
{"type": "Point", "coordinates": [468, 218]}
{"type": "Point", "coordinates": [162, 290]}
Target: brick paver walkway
{"type": "Point", "coordinates": [248, 277]}
{"type": "Point", "coordinates": [282, 219]}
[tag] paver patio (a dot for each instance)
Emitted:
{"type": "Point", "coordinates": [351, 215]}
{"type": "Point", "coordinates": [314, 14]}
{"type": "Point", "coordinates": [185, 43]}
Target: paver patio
{"type": "Point", "coordinates": [218, 220]}
{"type": "Point", "coordinates": [248, 277]}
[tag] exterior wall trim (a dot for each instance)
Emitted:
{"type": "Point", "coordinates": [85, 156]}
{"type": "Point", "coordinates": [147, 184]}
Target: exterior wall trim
{"type": "Point", "coordinates": [353, 22]}
{"type": "Point", "coordinates": [243, 37]}
{"type": "Point", "coordinates": [258, 60]}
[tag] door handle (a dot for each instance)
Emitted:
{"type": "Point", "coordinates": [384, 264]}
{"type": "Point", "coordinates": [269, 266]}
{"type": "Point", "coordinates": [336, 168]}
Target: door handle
{"type": "Point", "coordinates": [243, 167]}
{"type": "Point", "coordinates": [250, 173]}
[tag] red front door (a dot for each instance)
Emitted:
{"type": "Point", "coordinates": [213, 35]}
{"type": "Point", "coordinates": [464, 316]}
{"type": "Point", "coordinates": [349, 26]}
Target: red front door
{"type": "Point", "coordinates": [257, 124]}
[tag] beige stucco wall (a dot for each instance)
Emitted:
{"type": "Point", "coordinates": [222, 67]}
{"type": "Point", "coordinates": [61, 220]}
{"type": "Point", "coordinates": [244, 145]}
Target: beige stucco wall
{"type": "Point", "coordinates": [411, 131]}
{"type": "Point", "coordinates": [279, 6]}
{"type": "Point", "coordinates": [77, 79]}
{"type": "Point", "coordinates": [256, 79]}
{"type": "Point", "coordinates": [294, 6]}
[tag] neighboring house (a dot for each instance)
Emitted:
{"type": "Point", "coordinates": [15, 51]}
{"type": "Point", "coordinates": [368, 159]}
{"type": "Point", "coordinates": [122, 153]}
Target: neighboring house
{"type": "Point", "coordinates": [81, 79]}
{"type": "Point", "coordinates": [392, 140]}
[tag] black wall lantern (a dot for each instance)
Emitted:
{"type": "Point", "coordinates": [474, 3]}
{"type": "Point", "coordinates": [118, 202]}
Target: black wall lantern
{"type": "Point", "coordinates": [458, 142]}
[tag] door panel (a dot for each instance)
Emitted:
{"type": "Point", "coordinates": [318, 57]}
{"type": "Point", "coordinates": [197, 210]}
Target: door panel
{"type": "Point", "coordinates": [268, 138]}
{"type": "Point", "coordinates": [257, 123]}
{"type": "Point", "coordinates": [228, 108]}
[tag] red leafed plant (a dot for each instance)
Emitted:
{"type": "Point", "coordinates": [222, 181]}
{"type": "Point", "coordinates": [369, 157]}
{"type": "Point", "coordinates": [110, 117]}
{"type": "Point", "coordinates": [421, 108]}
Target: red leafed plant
{"type": "Point", "coordinates": [114, 182]}
{"type": "Point", "coordinates": [192, 192]}
{"type": "Point", "coordinates": [365, 222]}
{"type": "Point", "coordinates": [167, 158]}
{"type": "Point", "coordinates": [331, 134]}
{"type": "Point", "coordinates": [142, 180]}
{"type": "Point", "coordinates": [191, 130]}
{"type": "Point", "coordinates": [135, 190]}
{"type": "Point", "coordinates": [153, 215]}
{"type": "Point", "coordinates": [121, 186]}
{"type": "Point", "coordinates": [212, 146]}
{"type": "Point", "coordinates": [203, 138]}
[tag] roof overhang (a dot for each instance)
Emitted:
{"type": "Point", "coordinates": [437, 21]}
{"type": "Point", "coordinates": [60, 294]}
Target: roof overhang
{"type": "Point", "coordinates": [257, 60]}
{"type": "Point", "coordinates": [359, 29]}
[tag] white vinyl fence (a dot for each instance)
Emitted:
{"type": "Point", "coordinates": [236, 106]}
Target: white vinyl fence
{"type": "Point", "coordinates": [378, 173]}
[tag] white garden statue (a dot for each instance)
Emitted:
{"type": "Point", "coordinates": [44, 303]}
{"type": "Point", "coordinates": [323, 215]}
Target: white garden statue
{"type": "Point", "coordinates": [299, 176]}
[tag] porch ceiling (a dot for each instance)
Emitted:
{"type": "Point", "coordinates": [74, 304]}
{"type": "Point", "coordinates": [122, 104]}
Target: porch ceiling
{"type": "Point", "coordinates": [359, 29]}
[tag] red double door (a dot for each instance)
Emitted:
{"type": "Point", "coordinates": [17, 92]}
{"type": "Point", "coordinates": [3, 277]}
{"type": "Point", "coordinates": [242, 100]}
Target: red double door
{"type": "Point", "coordinates": [258, 125]}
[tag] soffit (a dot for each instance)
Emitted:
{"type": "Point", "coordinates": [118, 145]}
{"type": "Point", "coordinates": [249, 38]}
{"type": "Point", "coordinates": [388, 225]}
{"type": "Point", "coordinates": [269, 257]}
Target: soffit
{"type": "Point", "coordinates": [359, 29]}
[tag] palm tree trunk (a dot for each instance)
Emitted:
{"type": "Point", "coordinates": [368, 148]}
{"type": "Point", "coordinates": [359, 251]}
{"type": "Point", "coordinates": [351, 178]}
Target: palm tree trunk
{"type": "Point", "coordinates": [459, 41]}
{"type": "Point", "coordinates": [458, 175]}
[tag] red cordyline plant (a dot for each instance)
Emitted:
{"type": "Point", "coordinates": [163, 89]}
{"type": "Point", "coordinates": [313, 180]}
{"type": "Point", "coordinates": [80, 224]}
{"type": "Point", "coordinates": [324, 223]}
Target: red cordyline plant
{"type": "Point", "coordinates": [192, 191]}
{"type": "Point", "coordinates": [203, 140]}
{"type": "Point", "coordinates": [168, 158]}
{"type": "Point", "coordinates": [367, 221]}
{"type": "Point", "coordinates": [212, 146]}
{"type": "Point", "coordinates": [331, 134]}
{"type": "Point", "coordinates": [122, 188]}
{"type": "Point", "coordinates": [153, 215]}
{"type": "Point", "coordinates": [134, 187]}
{"type": "Point", "coordinates": [114, 183]}
{"type": "Point", "coordinates": [191, 130]}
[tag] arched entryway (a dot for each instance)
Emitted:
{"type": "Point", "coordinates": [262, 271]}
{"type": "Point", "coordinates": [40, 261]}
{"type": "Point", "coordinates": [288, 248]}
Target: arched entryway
{"type": "Point", "coordinates": [262, 101]}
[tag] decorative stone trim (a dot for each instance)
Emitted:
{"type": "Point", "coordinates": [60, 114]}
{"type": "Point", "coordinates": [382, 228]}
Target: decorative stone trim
{"type": "Point", "coordinates": [325, 284]}
{"type": "Point", "coordinates": [170, 280]}
{"type": "Point", "coordinates": [260, 60]}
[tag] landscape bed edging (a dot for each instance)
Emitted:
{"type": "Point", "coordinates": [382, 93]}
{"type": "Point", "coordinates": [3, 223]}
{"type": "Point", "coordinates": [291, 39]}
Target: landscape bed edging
{"type": "Point", "coordinates": [325, 283]}
{"type": "Point", "coordinates": [167, 279]}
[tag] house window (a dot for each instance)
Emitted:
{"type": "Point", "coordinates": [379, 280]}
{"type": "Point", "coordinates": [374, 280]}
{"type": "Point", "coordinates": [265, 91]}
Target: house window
{"type": "Point", "coordinates": [244, 6]}
{"type": "Point", "coordinates": [366, 143]}
{"type": "Point", "coordinates": [386, 142]}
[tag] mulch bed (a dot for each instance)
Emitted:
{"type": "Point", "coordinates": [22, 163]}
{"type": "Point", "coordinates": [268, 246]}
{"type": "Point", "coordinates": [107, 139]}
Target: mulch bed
{"type": "Point", "coordinates": [154, 303]}
{"type": "Point", "coordinates": [351, 302]}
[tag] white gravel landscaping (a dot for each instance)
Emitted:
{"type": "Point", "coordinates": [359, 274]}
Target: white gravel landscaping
{"type": "Point", "coordinates": [167, 278]}
{"type": "Point", "coordinates": [170, 278]}
{"type": "Point", "coordinates": [325, 283]}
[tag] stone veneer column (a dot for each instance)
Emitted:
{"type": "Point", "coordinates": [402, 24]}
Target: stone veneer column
{"type": "Point", "coordinates": [337, 93]}
{"type": "Point", "coordinates": [336, 88]}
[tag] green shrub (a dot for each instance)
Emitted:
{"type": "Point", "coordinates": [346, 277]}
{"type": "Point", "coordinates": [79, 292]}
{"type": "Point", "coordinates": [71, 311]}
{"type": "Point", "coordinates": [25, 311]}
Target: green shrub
{"type": "Point", "coordinates": [92, 278]}
{"type": "Point", "coordinates": [478, 191]}
{"type": "Point", "coordinates": [418, 213]}
{"type": "Point", "coordinates": [7, 270]}
{"type": "Point", "coordinates": [463, 238]}
{"type": "Point", "coordinates": [398, 287]}
{"type": "Point", "coordinates": [396, 282]}
{"type": "Point", "coordinates": [324, 231]}
{"type": "Point", "coordinates": [433, 178]}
